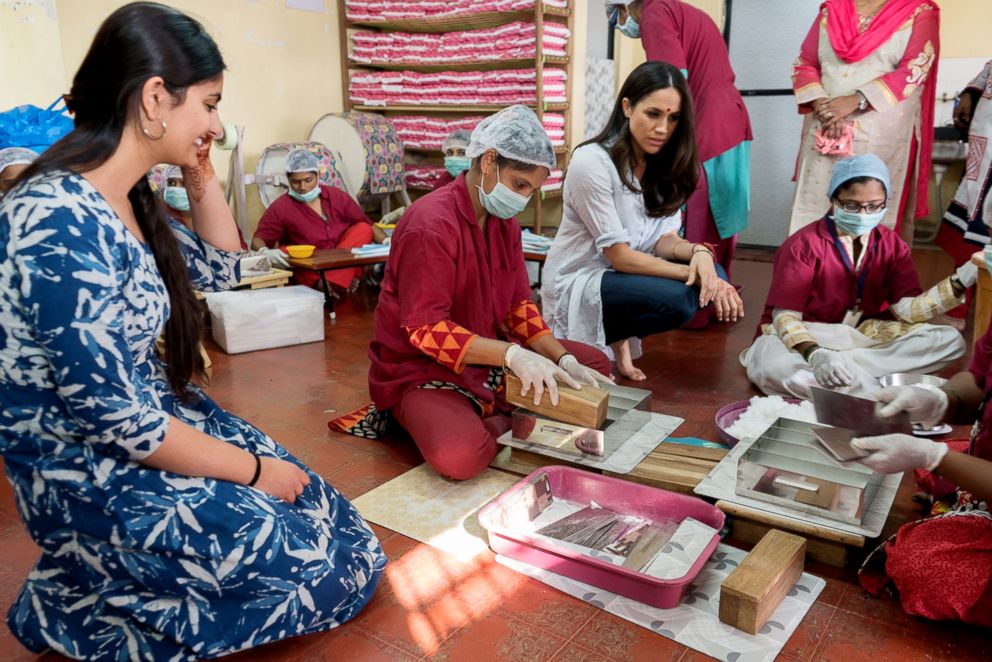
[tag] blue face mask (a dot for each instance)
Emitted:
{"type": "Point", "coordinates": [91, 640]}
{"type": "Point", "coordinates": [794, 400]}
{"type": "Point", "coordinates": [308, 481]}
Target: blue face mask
{"type": "Point", "coordinates": [631, 28]}
{"type": "Point", "coordinates": [456, 165]}
{"type": "Point", "coordinates": [502, 202]}
{"type": "Point", "coordinates": [176, 197]}
{"type": "Point", "coordinates": [856, 224]}
{"type": "Point", "coordinates": [309, 196]}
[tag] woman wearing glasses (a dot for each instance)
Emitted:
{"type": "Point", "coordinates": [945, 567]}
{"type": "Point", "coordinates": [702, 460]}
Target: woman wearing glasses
{"type": "Point", "coordinates": [845, 305]}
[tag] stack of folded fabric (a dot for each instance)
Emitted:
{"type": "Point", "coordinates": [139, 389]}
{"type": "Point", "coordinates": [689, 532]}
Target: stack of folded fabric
{"type": "Point", "coordinates": [371, 250]}
{"type": "Point", "coordinates": [535, 243]}
{"type": "Point", "coordinates": [507, 42]}
{"type": "Point", "coordinates": [554, 181]}
{"type": "Point", "coordinates": [419, 132]}
{"type": "Point", "coordinates": [503, 87]}
{"type": "Point", "coordinates": [369, 11]}
{"type": "Point", "coordinates": [423, 178]}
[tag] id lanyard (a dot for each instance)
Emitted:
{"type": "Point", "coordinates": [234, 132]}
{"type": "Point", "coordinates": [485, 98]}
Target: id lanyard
{"type": "Point", "coordinates": [862, 277]}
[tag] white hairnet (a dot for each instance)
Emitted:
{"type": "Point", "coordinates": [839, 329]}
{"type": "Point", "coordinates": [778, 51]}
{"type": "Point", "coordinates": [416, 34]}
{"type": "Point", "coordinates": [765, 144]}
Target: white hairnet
{"type": "Point", "coordinates": [610, 4]}
{"type": "Point", "coordinates": [302, 160]}
{"type": "Point", "coordinates": [515, 133]}
{"type": "Point", "coordinates": [16, 156]}
{"type": "Point", "coordinates": [461, 137]}
{"type": "Point", "coordinates": [172, 172]}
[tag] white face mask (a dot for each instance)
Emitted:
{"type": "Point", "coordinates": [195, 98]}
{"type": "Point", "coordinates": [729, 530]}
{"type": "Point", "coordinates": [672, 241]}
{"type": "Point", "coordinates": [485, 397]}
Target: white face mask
{"type": "Point", "coordinates": [502, 202]}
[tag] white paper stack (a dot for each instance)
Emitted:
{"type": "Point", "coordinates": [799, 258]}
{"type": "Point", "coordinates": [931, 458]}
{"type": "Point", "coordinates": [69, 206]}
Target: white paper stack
{"type": "Point", "coordinates": [260, 319]}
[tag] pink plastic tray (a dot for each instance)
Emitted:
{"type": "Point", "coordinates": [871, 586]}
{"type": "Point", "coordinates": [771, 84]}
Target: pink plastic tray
{"type": "Point", "coordinates": [614, 494]}
{"type": "Point", "coordinates": [729, 414]}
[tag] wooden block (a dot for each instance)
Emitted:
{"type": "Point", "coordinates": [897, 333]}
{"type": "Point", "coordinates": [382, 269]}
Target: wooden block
{"type": "Point", "coordinates": [531, 460]}
{"type": "Point", "coordinates": [831, 553]}
{"type": "Point", "coordinates": [756, 588]}
{"type": "Point", "coordinates": [802, 527]}
{"type": "Point", "coordinates": [586, 407]}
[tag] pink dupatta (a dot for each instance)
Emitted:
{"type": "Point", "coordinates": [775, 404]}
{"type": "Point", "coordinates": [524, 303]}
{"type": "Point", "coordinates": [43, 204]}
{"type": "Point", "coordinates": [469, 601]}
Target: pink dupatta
{"type": "Point", "coordinates": [852, 46]}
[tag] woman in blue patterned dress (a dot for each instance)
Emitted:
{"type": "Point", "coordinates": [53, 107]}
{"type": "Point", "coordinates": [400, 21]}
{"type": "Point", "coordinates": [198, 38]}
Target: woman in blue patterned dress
{"type": "Point", "coordinates": [169, 528]}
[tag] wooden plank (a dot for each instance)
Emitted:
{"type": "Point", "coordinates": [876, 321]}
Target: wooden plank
{"type": "Point", "coordinates": [275, 278]}
{"type": "Point", "coordinates": [825, 551]}
{"type": "Point", "coordinates": [586, 407]}
{"type": "Point", "coordinates": [670, 447]}
{"type": "Point", "coordinates": [753, 591]}
{"type": "Point", "coordinates": [532, 460]}
{"type": "Point", "coordinates": [790, 524]}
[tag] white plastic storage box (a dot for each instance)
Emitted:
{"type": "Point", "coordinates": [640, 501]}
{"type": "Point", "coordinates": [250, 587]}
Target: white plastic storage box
{"type": "Point", "coordinates": [248, 320]}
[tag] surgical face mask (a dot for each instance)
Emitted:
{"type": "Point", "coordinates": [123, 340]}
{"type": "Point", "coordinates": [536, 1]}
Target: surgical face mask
{"type": "Point", "coordinates": [309, 196]}
{"type": "Point", "coordinates": [502, 202]}
{"type": "Point", "coordinates": [177, 197]}
{"type": "Point", "coordinates": [856, 224]}
{"type": "Point", "coordinates": [631, 28]}
{"type": "Point", "coordinates": [456, 165]}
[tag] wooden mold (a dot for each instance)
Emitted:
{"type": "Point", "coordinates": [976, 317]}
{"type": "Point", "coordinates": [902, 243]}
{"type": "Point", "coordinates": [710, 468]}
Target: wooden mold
{"type": "Point", "coordinates": [753, 591]}
{"type": "Point", "coordinates": [586, 407]}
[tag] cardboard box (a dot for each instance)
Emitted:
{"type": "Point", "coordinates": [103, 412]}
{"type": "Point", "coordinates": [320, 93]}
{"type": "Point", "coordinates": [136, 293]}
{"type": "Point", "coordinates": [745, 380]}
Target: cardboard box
{"type": "Point", "coordinates": [249, 320]}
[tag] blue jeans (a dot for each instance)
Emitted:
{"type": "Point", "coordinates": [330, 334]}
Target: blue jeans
{"type": "Point", "coordinates": [639, 306]}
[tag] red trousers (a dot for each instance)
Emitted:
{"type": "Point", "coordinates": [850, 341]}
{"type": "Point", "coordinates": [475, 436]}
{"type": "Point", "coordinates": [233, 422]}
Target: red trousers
{"type": "Point", "coordinates": [448, 430]}
{"type": "Point", "coordinates": [357, 235]}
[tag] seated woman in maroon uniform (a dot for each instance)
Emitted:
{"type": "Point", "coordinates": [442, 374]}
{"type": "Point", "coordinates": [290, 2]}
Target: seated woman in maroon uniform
{"type": "Point", "coordinates": [455, 309]}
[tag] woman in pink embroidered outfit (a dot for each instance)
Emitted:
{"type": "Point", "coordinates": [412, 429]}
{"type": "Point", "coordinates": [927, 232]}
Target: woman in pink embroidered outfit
{"type": "Point", "coordinates": [865, 81]}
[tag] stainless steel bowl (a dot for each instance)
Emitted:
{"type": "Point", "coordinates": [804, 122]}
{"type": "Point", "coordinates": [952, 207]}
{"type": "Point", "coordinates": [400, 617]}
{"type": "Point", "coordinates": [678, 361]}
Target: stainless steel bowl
{"type": "Point", "coordinates": [908, 378]}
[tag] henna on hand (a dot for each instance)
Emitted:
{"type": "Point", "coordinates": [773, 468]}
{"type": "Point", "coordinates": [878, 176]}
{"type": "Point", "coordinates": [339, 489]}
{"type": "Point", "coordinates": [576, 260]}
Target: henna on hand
{"type": "Point", "coordinates": [196, 179]}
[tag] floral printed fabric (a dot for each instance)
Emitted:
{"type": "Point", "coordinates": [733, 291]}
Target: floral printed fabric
{"type": "Point", "coordinates": [139, 563]}
{"type": "Point", "coordinates": [383, 155]}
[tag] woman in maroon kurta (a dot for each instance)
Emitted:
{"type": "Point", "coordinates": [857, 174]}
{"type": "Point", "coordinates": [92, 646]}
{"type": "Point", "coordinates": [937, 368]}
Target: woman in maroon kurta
{"type": "Point", "coordinates": [455, 308]}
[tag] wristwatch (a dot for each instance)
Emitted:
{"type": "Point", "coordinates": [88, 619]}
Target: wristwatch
{"type": "Point", "coordinates": [862, 101]}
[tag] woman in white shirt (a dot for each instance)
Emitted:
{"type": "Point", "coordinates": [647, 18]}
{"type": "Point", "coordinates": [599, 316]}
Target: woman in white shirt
{"type": "Point", "coordinates": [618, 269]}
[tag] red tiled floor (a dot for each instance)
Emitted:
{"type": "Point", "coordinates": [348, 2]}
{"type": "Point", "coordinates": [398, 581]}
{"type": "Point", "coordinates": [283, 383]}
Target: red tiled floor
{"type": "Point", "coordinates": [430, 605]}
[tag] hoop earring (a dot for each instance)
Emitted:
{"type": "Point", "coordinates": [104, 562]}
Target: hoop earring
{"type": "Point", "coordinates": [165, 128]}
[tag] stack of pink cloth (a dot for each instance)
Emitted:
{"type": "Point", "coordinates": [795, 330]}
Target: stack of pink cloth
{"type": "Point", "coordinates": [428, 178]}
{"type": "Point", "coordinates": [368, 11]}
{"type": "Point", "coordinates": [419, 132]}
{"type": "Point", "coordinates": [507, 42]}
{"type": "Point", "coordinates": [455, 88]}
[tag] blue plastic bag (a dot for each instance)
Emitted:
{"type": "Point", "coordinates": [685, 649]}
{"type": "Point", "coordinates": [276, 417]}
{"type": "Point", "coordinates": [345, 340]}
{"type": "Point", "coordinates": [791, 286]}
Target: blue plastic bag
{"type": "Point", "coordinates": [33, 127]}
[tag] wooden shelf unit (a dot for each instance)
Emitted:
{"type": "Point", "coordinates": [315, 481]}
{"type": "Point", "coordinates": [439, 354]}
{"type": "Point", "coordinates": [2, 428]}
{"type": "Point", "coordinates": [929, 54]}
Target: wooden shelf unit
{"type": "Point", "coordinates": [540, 15]}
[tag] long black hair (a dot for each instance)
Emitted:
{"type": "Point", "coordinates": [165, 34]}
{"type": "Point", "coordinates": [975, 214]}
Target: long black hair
{"type": "Point", "coordinates": [135, 43]}
{"type": "Point", "coordinates": [671, 175]}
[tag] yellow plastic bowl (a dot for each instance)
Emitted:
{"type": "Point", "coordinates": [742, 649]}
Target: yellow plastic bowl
{"type": "Point", "coordinates": [300, 251]}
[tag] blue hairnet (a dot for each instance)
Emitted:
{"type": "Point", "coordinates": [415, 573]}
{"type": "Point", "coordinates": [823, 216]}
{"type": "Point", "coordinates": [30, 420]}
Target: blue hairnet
{"type": "Point", "coordinates": [515, 133]}
{"type": "Point", "coordinates": [866, 165]}
{"type": "Point", "coordinates": [302, 160]}
{"type": "Point", "coordinates": [16, 156]}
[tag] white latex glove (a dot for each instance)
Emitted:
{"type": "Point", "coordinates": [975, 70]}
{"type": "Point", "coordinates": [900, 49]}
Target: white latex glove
{"type": "Point", "coordinates": [584, 374]}
{"type": "Point", "coordinates": [925, 405]}
{"type": "Point", "coordinates": [276, 257]}
{"type": "Point", "coordinates": [831, 369]}
{"type": "Point", "coordinates": [967, 273]}
{"type": "Point", "coordinates": [537, 371]}
{"type": "Point", "coordinates": [892, 453]}
{"type": "Point", "coordinates": [392, 217]}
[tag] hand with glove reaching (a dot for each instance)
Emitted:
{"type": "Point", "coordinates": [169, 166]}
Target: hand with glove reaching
{"type": "Point", "coordinates": [582, 373]}
{"type": "Point", "coordinates": [831, 369]}
{"type": "Point", "coordinates": [925, 405]}
{"type": "Point", "coordinates": [967, 274]}
{"type": "Point", "coordinates": [893, 453]}
{"type": "Point", "coordinates": [275, 256]}
{"type": "Point", "coordinates": [537, 371]}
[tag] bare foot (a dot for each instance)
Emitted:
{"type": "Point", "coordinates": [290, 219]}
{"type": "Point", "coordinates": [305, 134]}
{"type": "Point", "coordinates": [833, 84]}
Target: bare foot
{"type": "Point", "coordinates": [353, 287]}
{"type": "Point", "coordinates": [625, 365]}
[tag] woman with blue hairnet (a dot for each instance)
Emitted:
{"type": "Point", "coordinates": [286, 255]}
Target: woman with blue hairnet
{"type": "Point", "coordinates": [455, 310]}
{"type": "Point", "coordinates": [845, 305]}
{"type": "Point", "coordinates": [314, 214]}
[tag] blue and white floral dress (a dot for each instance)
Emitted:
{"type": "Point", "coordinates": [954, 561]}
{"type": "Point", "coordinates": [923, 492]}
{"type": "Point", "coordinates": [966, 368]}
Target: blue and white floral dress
{"type": "Point", "coordinates": [139, 563]}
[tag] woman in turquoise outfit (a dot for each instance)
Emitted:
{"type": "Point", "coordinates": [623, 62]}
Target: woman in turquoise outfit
{"type": "Point", "coordinates": [169, 528]}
